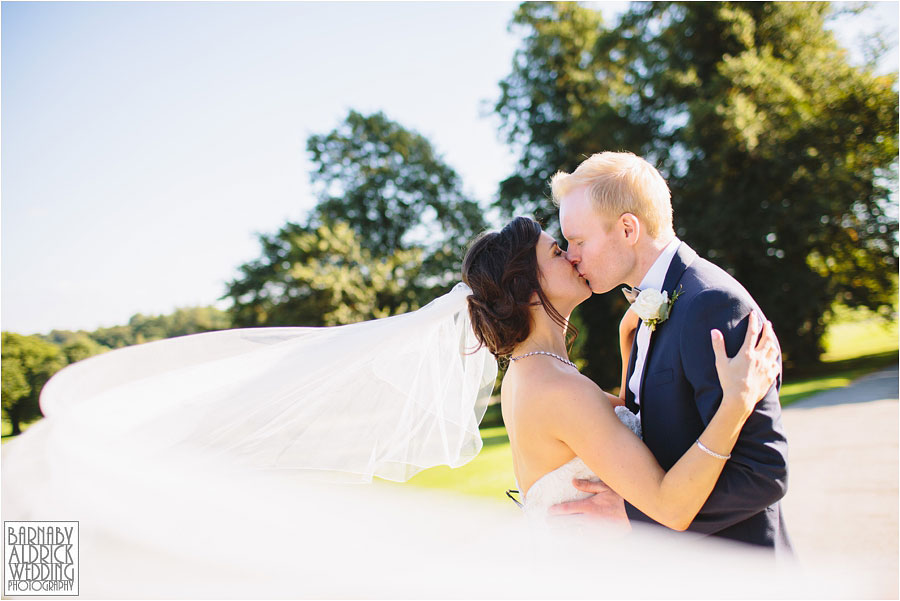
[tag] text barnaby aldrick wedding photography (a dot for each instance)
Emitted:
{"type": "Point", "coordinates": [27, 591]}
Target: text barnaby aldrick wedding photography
{"type": "Point", "coordinates": [40, 558]}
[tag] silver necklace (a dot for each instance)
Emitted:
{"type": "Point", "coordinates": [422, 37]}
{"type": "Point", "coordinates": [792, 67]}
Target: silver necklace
{"type": "Point", "coordinates": [564, 360]}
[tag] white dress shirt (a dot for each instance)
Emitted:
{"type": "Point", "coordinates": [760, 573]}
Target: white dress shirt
{"type": "Point", "coordinates": [655, 277]}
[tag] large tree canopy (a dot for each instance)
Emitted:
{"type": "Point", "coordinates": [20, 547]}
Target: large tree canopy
{"type": "Point", "coordinates": [781, 155]}
{"type": "Point", "coordinates": [388, 183]}
{"type": "Point", "coordinates": [387, 234]}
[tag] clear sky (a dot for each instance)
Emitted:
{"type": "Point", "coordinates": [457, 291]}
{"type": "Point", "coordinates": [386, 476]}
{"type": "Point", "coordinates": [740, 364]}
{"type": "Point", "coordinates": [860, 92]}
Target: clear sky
{"type": "Point", "coordinates": [145, 144]}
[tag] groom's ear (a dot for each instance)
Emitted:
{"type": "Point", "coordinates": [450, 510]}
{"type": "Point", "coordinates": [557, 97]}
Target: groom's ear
{"type": "Point", "coordinates": [631, 227]}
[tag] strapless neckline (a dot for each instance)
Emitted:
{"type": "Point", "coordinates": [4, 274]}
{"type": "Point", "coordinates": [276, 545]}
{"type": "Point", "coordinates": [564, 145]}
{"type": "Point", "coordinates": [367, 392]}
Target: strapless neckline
{"type": "Point", "coordinates": [556, 487]}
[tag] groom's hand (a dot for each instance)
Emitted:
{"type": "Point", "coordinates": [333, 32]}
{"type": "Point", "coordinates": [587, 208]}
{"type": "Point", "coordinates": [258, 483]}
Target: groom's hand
{"type": "Point", "coordinates": [605, 504]}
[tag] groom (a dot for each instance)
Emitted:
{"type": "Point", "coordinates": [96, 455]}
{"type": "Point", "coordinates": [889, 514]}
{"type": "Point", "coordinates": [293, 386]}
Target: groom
{"type": "Point", "coordinates": [616, 214]}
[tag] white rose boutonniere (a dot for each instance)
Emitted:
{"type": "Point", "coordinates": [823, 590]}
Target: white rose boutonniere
{"type": "Point", "coordinates": [653, 306]}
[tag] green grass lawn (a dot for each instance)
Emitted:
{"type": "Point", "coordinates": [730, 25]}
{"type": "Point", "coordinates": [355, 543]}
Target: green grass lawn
{"type": "Point", "coordinates": [489, 475]}
{"type": "Point", "coordinates": [857, 335]}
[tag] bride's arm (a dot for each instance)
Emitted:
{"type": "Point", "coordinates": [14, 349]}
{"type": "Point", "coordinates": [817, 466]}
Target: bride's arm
{"type": "Point", "coordinates": [623, 462]}
{"type": "Point", "coordinates": [627, 330]}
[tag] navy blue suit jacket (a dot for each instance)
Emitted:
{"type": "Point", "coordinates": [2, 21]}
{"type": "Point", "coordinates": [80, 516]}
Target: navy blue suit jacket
{"type": "Point", "coordinates": [680, 392]}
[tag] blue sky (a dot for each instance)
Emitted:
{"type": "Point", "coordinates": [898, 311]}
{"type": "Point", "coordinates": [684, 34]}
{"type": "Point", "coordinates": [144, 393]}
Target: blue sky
{"type": "Point", "coordinates": [145, 144]}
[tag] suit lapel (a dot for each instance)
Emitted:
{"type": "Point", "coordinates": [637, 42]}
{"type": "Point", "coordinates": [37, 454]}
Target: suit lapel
{"type": "Point", "coordinates": [682, 259]}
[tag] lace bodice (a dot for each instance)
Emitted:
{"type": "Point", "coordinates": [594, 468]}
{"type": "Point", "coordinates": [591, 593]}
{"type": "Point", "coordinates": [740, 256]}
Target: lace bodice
{"type": "Point", "coordinates": [556, 486]}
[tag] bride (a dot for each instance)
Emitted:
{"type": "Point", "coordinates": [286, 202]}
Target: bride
{"type": "Point", "coordinates": [178, 457]}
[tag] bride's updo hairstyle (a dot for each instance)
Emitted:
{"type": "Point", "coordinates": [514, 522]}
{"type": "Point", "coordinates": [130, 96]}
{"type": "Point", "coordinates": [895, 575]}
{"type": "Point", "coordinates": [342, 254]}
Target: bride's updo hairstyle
{"type": "Point", "coordinates": [501, 268]}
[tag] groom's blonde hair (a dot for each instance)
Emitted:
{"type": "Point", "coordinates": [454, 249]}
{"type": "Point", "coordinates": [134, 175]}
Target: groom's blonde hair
{"type": "Point", "coordinates": [621, 182]}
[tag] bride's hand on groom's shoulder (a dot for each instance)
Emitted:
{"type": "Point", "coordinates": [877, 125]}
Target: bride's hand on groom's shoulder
{"type": "Point", "coordinates": [746, 377]}
{"type": "Point", "coordinates": [603, 504]}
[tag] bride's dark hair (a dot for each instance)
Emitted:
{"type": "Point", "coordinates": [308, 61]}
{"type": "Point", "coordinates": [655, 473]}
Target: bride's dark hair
{"type": "Point", "coordinates": [502, 270]}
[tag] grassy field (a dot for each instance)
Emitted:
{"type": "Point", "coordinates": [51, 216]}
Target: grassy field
{"type": "Point", "coordinates": [489, 475]}
{"type": "Point", "coordinates": [859, 333]}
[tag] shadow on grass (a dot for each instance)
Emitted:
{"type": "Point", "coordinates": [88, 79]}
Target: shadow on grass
{"type": "Point", "coordinates": [7, 428]}
{"type": "Point", "coordinates": [863, 364]}
{"type": "Point", "coordinates": [496, 439]}
{"type": "Point", "coordinates": [800, 384]}
{"type": "Point", "coordinates": [878, 386]}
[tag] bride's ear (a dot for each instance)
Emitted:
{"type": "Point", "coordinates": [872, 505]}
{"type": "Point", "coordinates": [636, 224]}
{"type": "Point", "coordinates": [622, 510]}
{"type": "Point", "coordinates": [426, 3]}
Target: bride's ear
{"type": "Point", "coordinates": [631, 227]}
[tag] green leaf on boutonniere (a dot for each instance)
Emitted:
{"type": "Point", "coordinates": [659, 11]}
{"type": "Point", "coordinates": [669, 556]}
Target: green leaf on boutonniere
{"type": "Point", "coordinates": [664, 311]}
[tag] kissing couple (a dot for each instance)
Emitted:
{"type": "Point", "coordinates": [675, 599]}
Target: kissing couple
{"type": "Point", "coordinates": [710, 455]}
{"type": "Point", "coordinates": [693, 442]}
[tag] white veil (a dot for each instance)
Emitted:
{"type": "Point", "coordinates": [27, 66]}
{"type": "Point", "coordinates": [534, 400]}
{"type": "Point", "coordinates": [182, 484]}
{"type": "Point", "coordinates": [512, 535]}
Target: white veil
{"type": "Point", "coordinates": [385, 398]}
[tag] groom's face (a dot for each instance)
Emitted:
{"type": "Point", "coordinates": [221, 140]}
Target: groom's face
{"type": "Point", "coordinates": [596, 245]}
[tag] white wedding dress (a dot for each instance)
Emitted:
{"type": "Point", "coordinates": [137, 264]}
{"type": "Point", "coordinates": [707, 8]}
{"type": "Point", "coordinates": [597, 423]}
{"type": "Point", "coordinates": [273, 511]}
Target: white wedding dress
{"type": "Point", "coordinates": [556, 486]}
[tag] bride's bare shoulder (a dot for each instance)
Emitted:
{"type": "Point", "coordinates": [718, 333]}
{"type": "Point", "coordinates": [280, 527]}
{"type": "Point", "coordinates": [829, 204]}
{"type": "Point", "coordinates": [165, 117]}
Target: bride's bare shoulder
{"type": "Point", "coordinates": [542, 387]}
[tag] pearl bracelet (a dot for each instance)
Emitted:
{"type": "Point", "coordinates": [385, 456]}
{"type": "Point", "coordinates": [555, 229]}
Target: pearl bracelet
{"type": "Point", "coordinates": [713, 453]}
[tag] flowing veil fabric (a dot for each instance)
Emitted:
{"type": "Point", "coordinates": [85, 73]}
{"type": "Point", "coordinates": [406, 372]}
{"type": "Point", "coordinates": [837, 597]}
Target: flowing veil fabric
{"type": "Point", "coordinates": [385, 398]}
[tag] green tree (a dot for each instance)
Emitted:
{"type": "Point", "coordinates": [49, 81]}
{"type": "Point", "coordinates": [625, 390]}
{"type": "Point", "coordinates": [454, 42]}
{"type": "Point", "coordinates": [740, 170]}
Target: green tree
{"type": "Point", "coordinates": [28, 362]}
{"type": "Point", "coordinates": [322, 276]}
{"type": "Point", "coordinates": [781, 156]}
{"type": "Point", "coordinates": [391, 217]}
{"type": "Point", "coordinates": [81, 347]}
{"type": "Point", "coordinates": [63, 337]}
{"type": "Point", "coordinates": [390, 186]}
{"type": "Point", "coordinates": [115, 337]}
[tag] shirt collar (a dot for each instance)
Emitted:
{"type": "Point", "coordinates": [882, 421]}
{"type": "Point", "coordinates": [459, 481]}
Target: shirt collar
{"type": "Point", "coordinates": [656, 275]}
